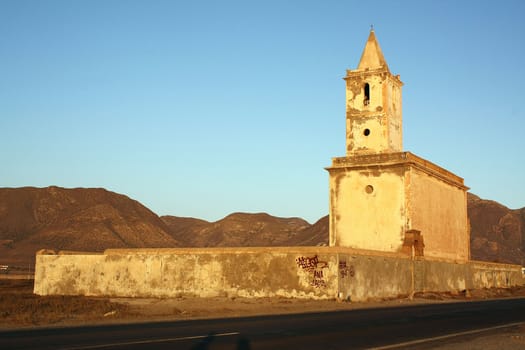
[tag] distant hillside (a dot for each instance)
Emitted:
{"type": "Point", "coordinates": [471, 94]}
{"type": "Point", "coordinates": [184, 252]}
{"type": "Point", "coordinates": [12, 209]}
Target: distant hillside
{"type": "Point", "coordinates": [497, 232]}
{"type": "Point", "coordinates": [185, 230]}
{"type": "Point", "coordinates": [314, 235]}
{"type": "Point", "coordinates": [93, 219]}
{"type": "Point", "coordinates": [236, 230]}
{"type": "Point", "coordinates": [74, 219]}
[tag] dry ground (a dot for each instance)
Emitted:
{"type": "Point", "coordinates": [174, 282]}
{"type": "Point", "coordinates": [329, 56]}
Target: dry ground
{"type": "Point", "coordinates": [19, 307]}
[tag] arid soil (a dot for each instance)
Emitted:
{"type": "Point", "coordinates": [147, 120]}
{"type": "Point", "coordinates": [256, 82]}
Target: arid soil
{"type": "Point", "coordinates": [19, 307]}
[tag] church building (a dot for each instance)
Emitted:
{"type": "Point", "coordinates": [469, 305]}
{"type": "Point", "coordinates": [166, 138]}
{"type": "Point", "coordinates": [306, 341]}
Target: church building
{"type": "Point", "coordinates": [382, 198]}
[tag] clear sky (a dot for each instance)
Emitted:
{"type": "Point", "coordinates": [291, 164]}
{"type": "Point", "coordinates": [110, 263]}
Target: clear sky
{"type": "Point", "coordinates": [204, 108]}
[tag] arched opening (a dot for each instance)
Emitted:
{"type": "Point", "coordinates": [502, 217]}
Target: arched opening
{"type": "Point", "coordinates": [366, 100]}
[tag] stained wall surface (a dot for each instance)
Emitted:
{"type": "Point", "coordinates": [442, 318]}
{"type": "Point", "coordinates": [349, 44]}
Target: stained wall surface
{"type": "Point", "coordinates": [438, 210]}
{"type": "Point", "coordinates": [483, 274]}
{"type": "Point", "coordinates": [367, 209]}
{"type": "Point", "coordinates": [245, 272]}
{"type": "Point", "coordinates": [369, 277]}
{"type": "Point", "coordinates": [441, 276]}
{"type": "Point", "coordinates": [309, 272]}
{"type": "Point", "coordinates": [376, 199]}
{"type": "Point", "coordinates": [380, 114]}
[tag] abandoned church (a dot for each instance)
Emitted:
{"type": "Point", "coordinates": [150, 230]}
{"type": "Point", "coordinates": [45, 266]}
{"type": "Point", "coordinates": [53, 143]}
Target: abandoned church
{"type": "Point", "coordinates": [398, 225]}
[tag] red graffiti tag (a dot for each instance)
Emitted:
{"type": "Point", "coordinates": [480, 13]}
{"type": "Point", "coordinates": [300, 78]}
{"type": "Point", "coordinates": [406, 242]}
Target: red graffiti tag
{"type": "Point", "coordinates": [314, 267]}
{"type": "Point", "coordinates": [345, 270]}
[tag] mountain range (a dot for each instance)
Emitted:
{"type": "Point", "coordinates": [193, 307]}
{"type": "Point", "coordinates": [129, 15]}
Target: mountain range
{"type": "Point", "coordinates": [94, 219]}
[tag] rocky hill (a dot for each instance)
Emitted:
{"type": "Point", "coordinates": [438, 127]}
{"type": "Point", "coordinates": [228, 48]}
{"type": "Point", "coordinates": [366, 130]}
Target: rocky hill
{"type": "Point", "coordinates": [314, 235]}
{"type": "Point", "coordinates": [74, 219]}
{"type": "Point", "coordinates": [236, 230]}
{"type": "Point", "coordinates": [497, 232]}
{"type": "Point", "coordinates": [96, 219]}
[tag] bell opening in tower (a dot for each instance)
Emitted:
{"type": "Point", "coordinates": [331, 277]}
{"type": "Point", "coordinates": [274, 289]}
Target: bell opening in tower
{"type": "Point", "coordinates": [366, 100]}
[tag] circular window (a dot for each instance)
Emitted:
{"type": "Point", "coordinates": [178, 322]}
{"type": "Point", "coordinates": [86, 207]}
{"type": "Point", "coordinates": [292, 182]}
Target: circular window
{"type": "Point", "coordinates": [366, 132]}
{"type": "Point", "coordinates": [369, 189]}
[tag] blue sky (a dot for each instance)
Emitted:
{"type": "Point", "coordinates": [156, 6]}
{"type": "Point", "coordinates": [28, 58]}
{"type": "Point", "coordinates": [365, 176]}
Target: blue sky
{"type": "Point", "coordinates": [204, 108]}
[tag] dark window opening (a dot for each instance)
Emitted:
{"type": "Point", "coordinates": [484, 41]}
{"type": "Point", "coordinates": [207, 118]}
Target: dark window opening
{"type": "Point", "coordinates": [366, 132]}
{"type": "Point", "coordinates": [366, 101]}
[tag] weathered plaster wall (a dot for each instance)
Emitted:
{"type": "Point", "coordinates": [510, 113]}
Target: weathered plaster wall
{"type": "Point", "coordinates": [375, 276]}
{"type": "Point", "coordinates": [439, 210]}
{"type": "Point", "coordinates": [261, 272]}
{"type": "Point", "coordinates": [440, 276]}
{"type": "Point", "coordinates": [309, 272]}
{"type": "Point", "coordinates": [394, 108]}
{"type": "Point", "coordinates": [367, 208]}
{"type": "Point", "coordinates": [380, 114]}
{"type": "Point", "coordinates": [364, 277]}
{"type": "Point", "coordinates": [368, 134]}
{"type": "Point", "coordinates": [483, 274]}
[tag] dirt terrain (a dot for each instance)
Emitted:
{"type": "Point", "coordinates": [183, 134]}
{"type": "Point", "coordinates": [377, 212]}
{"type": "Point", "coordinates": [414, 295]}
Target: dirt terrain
{"type": "Point", "coordinates": [19, 307]}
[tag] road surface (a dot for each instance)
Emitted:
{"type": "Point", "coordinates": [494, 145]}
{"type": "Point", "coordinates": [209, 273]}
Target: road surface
{"type": "Point", "coordinates": [422, 326]}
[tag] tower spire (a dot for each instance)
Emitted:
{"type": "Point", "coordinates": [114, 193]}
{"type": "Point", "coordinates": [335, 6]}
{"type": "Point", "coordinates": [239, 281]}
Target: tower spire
{"type": "Point", "coordinates": [372, 57]}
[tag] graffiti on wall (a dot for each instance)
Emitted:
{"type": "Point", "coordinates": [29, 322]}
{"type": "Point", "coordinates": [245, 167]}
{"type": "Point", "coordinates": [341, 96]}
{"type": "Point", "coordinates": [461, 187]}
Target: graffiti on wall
{"type": "Point", "coordinates": [314, 267]}
{"type": "Point", "coordinates": [346, 270]}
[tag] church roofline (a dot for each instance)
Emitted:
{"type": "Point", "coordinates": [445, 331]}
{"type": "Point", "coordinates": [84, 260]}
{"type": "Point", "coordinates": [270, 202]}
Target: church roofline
{"type": "Point", "coordinates": [394, 159]}
{"type": "Point", "coordinates": [369, 72]}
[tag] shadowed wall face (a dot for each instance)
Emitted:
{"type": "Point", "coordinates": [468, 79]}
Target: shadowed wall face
{"type": "Point", "coordinates": [439, 210]}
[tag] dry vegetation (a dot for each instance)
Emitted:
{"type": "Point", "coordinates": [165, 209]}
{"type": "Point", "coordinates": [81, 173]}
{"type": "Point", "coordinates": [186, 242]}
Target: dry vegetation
{"type": "Point", "coordinates": [19, 307]}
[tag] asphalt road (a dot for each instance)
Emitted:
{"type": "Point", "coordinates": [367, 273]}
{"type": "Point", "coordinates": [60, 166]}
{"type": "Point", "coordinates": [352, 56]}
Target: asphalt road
{"type": "Point", "coordinates": [411, 326]}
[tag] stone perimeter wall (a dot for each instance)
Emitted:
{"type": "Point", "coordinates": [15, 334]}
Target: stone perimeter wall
{"type": "Point", "coordinates": [291, 272]}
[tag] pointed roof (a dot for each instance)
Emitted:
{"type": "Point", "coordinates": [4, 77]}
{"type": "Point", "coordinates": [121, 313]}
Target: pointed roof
{"type": "Point", "coordinates": [372, 57]}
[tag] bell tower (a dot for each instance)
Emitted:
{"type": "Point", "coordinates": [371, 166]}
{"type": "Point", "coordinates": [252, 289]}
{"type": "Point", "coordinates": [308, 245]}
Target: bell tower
{"type": "Point", "coordinates": [373, 104]}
